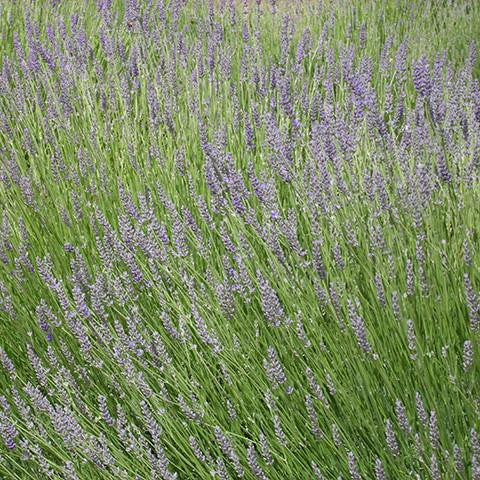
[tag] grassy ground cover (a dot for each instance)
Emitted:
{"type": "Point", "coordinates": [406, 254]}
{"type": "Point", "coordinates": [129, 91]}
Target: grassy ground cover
{"type": "Point", "coordinates": [239, 240]}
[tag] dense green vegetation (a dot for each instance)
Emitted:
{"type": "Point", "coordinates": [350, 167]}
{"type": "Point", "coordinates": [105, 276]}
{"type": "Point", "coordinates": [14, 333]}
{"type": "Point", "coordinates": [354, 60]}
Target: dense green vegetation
{"type": "Point", "coordinates": [239, 240]}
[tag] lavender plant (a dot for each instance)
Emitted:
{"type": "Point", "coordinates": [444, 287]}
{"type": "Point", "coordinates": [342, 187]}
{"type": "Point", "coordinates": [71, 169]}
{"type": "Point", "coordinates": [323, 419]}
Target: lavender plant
{"type": "Point", "coordinates": [239, 239]}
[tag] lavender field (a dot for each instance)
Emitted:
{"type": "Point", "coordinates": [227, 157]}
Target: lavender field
{"type": "Point", "coordinates": [239, 239]}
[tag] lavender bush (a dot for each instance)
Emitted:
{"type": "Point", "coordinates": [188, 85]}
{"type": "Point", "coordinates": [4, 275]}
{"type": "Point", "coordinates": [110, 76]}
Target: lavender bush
{"type": "Point", "coordinates": [239, 240]}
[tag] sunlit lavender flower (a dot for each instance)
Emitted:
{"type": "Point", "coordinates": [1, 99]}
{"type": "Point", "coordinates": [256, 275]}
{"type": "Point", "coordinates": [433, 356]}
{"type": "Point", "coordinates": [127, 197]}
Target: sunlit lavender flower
{"type": "Point", "coordinates": [472, 303]}
{"type": "Point", "coordinates": [457, 455]}
{"type": "Point", "coordinates": [154, 428]}
{"type": "Point", "coordinates": [337, 255]}
{"type": "Point", "coordinates": [316, 389]}
{"type": "Point", "coordinates": [421, 412]}
{"type": "Point", "coordinates": [67, 426]}
{"type": "Point", "coordinates": [253, 463]}
{"type": "Point", "coordinates": [467, 355]}
{"type": "Point", "coordinates": [330, 385]}
{"type": "Point", "coordinates": [102, 404]}
{"type": "Point", "coordinates": [380, 470]}
{"type": "Point", "coordinates": [41, 460]}
{"type": "Point", "coordinates": [412, 339]}
{"type": "Point", "coordinates": [69, 471]}
{"type": "Point", "coordinates": [410, 277]}
{"type": "Point", "coordinates": [475, 467]}
{"type": "Point", "coordinates": [359, 328]}
{"type": "Point", "coordinates": [40, 371]}
{"type": "Point", "coordinates": [312, 415]}
{"type": "Point", "coordinates": [7, 431]}
{"type": "Point", "coordinates": [221, 469]}
{"type": "Point", "coordinates": [435, 468]}
{"type": "Point", "coordinates": [380, 290]}
{"type": "Point", "coordinates": [402, 418]}
{"type": "Point", "coordinates": [396, 306]}
{"type": "Point", "coordinates": [274, 369]}
{"type": "Point", "coordinates": [434, 433]}
{"type": "Point", "coordinates": [7, 364]}
{"type": "Point", "coordinates": [352, 467]}
{"type": "Point", "coordinates": [227, 449]}
{"type": "Point", "coordinates": [421, 76]}
{"type": "Point", "coordinates": [474, 440]}
{"type": "Point", "coordinates": [316, 471]}
{"type": "Point", "coordinates": [337, 439]}
{"type": "Point", "coordinates": [467, 253]}
{"type": "Point", "coordinates": [279, 433]}
{"type": "Point", "coordinates": [186, 410]}
{"type": "Point", "coordinates": [391, 438]}
{"type": "Point", "coordinates": [197, 450]}
{"type": "Point", "coordinates": [162, 464]}
{"type": "Point", "coordinates": [265, 449]}
{"type": "Point", "coordinates": [207, 335]}
{"type": "Point", "coordinates": [271, 306]}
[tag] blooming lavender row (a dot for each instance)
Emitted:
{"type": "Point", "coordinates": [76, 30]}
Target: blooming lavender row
{"type": "Point", "coordinates": [238, 240]}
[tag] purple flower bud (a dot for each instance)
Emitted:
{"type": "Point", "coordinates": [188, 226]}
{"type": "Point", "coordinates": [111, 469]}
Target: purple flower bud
{"type": "Point", "coordinates": [457, 454]}
{"type": "Point", "coordinates": [380, 470]}
{"type": "Point", "coordinates": [352, 467]}
{"type": "Point", "coordinates": [316, 389]}
{"type": "Point", "coordinates": [410, 277]}
{"type": "Point", "coordinates": [412, 339]}
{"type": "Point", "coordinates": [227, 449]}
{"type": "Point", "coordinates": [421, 412]}
{"type": "Point", "coordinates": [316, 471]}
{"type": "Point", "coordinates": [421, 76]}
{"type": "Point", "coordinates": [475, 467]}
{"type": "Point", "coordinates": [7, 431]}
{"type": "Point", "coordinates": [475, 442]}
{"type": "Point", "coordinates": [380, 290]}
{"type": "Point", "coordinates": [7, 364]}
{"type": "Point", "coordinates": [312, 415]}
{"type": "Point", "coordinates": [391, 438]}
{"type": "Point", "coordinates": [337, 438]}
{"type": "Point", "coordinates": [274, 368]}
{"type": "Point", "coordinates": [467, 355]}
{"type": "Point", "coordinates": [279, 433]}
{"type": "Point", "coordinates": [221, 469]}
{"type": "Point", "coordinates": [402, 418]}
{"type": "Point", "coordinates": [359, 328]}
{"type": "Point", "coordinates": [254, 465]}
{"type": "Point", "coordinates": [435, 468]}
{"type": "Point", "coordinates": [271, 306]}
{"type": "Point", "coordinates": [40, 371]}
{"type": "Point", "coordinates": [265, 449]}
{"type": "Point", "coordinates": [433, 431]}
{"type": "Point", "coordinates": [396, 306]}
{"type": "Point", "coordinates": [102, 403]}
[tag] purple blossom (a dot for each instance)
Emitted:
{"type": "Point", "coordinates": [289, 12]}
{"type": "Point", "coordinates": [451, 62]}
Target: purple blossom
{"type": "Point", "coordinates": [402, 418]}
{"type": "Point", "coordinates": [274, 369]}
{"type": "Point", "coordinates": [254, 465]}
{"type": "Point", "coordinates": [312, 415]}
{"type": "Point", "coordinates": [380, 470]}
{"type": "Point", "coordinates": [467, 355]}
{"type": "Point", "coordinates": [7, 431]}
{"type": "Point", "coordinates": [433, 431]}
{"type": "Point", "coordinates": [7, 364]}
{"type": "Point", "coordinates": [391, 438]}
{"type": "Point", "coordinates": [421, 76]}
{"type": "Point", "coordinates": [271, 306]}
{"type": "Point", "coordinates": [265, 449]}
{"type": "Point", "coordinates": [227, 449]}
{"type": "Point", "coordinates": [359, 329]}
